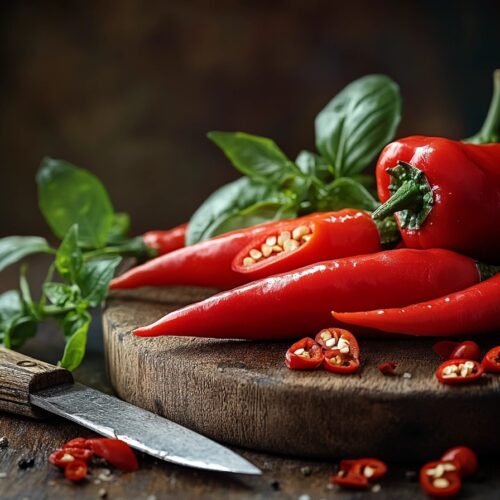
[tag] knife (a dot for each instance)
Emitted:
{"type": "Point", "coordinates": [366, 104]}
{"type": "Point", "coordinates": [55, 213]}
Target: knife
{"type": "Point", "coordinates": [32, 388]}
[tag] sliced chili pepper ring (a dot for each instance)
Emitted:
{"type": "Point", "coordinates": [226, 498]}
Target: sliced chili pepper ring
{"type": "Point", "coordinates": [358, 473]}
{"type": "Point", "coordinates": [459, 371]}
{"type": "Point", "coordinates": [440, 479]}
{"type": "Point", "coordinates": [61, 458]}
{"type": "Point", "coordinates": [466, 350]}
{"type": "Point", "coordinates": [491, 361]}
{"type": "Point", "coordinates": [305, 354]}
{"type": "Point", "coordinates": [78, 442]}
{"type": "Point", "coordinates": [76, 470]}
{"type": "Point", "coordinates": [464, 457]}
{"type": "Point", "coordinates": [116, 452]}
{"type": "Point", "coordinates": [343, 356]}
{"type": "Point", "coordinates": [79, 453]}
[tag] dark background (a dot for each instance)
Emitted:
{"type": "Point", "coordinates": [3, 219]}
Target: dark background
{"type": "Point", "coordinates": [128, 89]}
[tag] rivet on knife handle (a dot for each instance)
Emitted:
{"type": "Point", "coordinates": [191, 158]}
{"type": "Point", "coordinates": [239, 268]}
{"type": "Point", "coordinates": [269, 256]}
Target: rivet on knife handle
{"type": "Point", "coordinates": [19, 375]}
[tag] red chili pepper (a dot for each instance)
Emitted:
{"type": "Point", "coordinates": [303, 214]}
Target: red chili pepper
{"type": "Point", "coordinates": [444, 348]}
{"type": "Point", "coordinates": [297, 303]}
{"type": "Point", "coordinates": [207, 263]}
{"type": "Point", "coordinates": [357, 473]}
{"type": "Point", "coordinates": [459, 371]}
{"type": "Point", "coordinates": [440, 479]}
{"type": "Point", "coordinates": [467, 350]}
{"type": "Point", "coordinates": [472, 310]}
{"type": "Point", "coordinates": [78, 442]}
{"type": "Point", "coordinates": [79, 453]}
{"type": "Point", "coordinates": [166, 241]}
{"type": "Point", "coordinates": [387, 368]}
{"type": "Point", "coordinates": [312, 239]}
{"type": "Point", "coordinates": [76, 471]}
{"type": "Point", "coordinates": [464, 457]}
{"type": "Point", "coordinates": [343, 356]}
{"type": "Point", "coordinates": [116, 452]}
{"type": "Point", "coordinates": [491, 361]}
{"type": "Point", "coordinates": [304, 355]}
{"type": "Point", "coordinates": [61, 458]}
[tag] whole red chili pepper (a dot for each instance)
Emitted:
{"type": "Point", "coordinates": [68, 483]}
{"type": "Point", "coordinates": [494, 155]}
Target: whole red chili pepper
{"type": "Point", "coordinates": [440, 479]}
{"type": "Point", "coordinates": [473, 310]}
{"type": "Point", "coordinates": [116, 452]}
{"type": "Point", "coordinates": [464, 457]}
{"type": "Point", "coordinates": [491, 361]}
{"type": "Point", "coordinates": [459, 371]}
{"type": "Point", "coordinates": [297, 303]}
{"type": "Point", "coordinates": [444, 193]}
{"type": "Point", "coordinates": [313, 239]}
{"type": "Point", "coordinates": [444, 348]}
{"type": "Point", "coordinates": [305, 354]}
{"type": "Point", "coordinates": [166, 241]}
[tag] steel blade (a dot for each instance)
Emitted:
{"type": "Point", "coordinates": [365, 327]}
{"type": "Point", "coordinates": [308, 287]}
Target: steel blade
{"type": "Point", "coordinates": [141, 429]}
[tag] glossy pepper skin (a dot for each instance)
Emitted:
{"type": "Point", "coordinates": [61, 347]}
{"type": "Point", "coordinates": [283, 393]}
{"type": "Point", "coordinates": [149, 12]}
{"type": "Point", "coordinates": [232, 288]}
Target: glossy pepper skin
{"type": "Point", "coordinates": [475, 309]}
{"type": "Point", "coordinates": [298, 303]}
{"type": "Point", "coordinates": [166, 241]}
{"type": "Point", "coordinates": [444, 193]}
{"type": "Point", "coordinates": [331, 236]}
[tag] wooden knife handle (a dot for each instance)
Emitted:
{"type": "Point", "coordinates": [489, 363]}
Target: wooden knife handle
{"type": "Point", "coordinates": [20, 375]}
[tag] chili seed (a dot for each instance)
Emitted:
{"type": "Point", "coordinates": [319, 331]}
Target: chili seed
{"type": "Point", "coordinates": [325, 334]}
{"type": "Point", "coordinates": [441, 482]}
{"type": "Point", "coordinates": [266, 250]}
{"type": "Point", "coordinates": [255, 254]}
{"type": "Point", "coordinates": [248, 261]}
{"type": "Point", "coordinates": [284, 236]}
{"type": "Point", "coordinates": [290, 245]}
{"type": "Point", "coordinates": [300, 231]}
{"type": "Point", "coordinates": [368, 471]}
{"type": "Point", "coordinates": [449, 467]}
{"type": "Point", "coordinates": [306, 238]}
{"type": "Point", "coordinates": [330, 342]}
{"type": "Point", "coordinates": [271, 241]}
{"type": "Point", "coordinates": [439, 470]}
{"type": "Point", "coordinates": [277, 249]}
{"type": "Point", "coordinates": [299, 351]}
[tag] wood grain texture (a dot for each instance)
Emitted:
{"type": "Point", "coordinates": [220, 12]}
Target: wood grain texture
{"type": "Point", "coordinates": [20, 375]}
{"type": "Point", "coordinates": [241, 393]}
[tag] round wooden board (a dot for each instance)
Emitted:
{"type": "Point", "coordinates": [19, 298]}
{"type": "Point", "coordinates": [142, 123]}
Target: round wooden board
{"type": "Point", "coordinates": [241, 393]}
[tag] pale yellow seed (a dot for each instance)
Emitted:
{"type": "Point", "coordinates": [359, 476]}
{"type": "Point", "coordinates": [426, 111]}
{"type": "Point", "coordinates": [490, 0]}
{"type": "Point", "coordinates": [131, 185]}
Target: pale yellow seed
{"type": "Point", "coordinates": [441, 482]}
{"type": "Point", "coordinates": [67, 458]}
{"type": "Point", "coordinates": [430, 472]}
{"type": "Point", "coordinates": [325, 335]}
{"type": "Point", "coordinates": [255, 254]}
{"type": "Point", "coordinates": [266, 250]}
{"type": "Point", "coordinates": [248, 261]}
{"type": "Point", "coordinates": [450, 375]}
{"type": "Point", "coordinates": [368, 471]}
{"type": "Point", "coordinates": [439, 470]}
{"type": "Point", "coordinates": [271, 241]}
{"type": "Point", "coordinates": [449, 467]}
{"type": "Point", "coordinates": [469, 365]}
{"type": "Point", "coordinates": [344, 350]}
{"type": "Point", "coordinates": [277, 249]}
{"type": "Point", "coordinates": [330, 342]}
{"type": "Point", "coordinates": [299, 351]}
{"type": "Point", "coordinates": [306, 238]}
{"type": "Point", "coordinates": [290, 245]}
{"type": "Point", "coordinates": [284, 236]}
{"type": "Point", "coordinates": [300, 231]}
{"type": "Point", "coordinates": [448, 370]}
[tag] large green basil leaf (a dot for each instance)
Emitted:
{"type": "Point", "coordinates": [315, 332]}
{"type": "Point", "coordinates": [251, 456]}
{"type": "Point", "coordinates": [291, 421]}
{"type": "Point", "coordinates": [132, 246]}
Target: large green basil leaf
{"type": "Point", "coordinates": [311, 164]}
{"type": "Point", "coordinates": [61, 295]}
{"type": "Point", "coordinates": [15, 248]}
{"type": "Point", "coordinates": [69, 195]}
{"type": "Point", "coordinates": [16, 325]}
{"type": "Point", "coordinates": [257, 157]}
{"type": "Point", "coordinates": [95, 276]}
{"type": "Point", "coordinates": [75, 327]}
{"type": "Point", "coordinates": [346, 192]}
{"type": "Point", "coordinates": [226, 202]}
{"type": "Point", "coordinates": [356, 124]}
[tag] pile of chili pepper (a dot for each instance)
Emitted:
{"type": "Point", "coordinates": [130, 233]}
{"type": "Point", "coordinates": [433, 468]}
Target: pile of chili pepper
{"type": "Point", "coordinates": [75, 456]}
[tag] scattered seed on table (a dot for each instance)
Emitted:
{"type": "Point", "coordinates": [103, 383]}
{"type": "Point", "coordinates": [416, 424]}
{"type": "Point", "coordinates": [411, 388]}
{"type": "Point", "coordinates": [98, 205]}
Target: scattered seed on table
{"type": "Point", "coordinates": [406, 375]}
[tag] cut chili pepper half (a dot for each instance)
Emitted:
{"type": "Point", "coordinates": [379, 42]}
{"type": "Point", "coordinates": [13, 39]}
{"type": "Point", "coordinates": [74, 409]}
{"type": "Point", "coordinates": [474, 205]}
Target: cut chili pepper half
{"type": "Point", "coordinates": [491, 362]}
{"type": "Point", "coordinates": [440, 479]}
{"type": "Point", "coordinates": [305, 354]}
{"type": "Point", "coordinates": [76, 470]}
{"type": "Point", "coordinates": [466, 350]}
{"type": "Point", "coordinates": [341, 356]}
{"type": "Point", "coordinates": [459, 371]}
{"type": "Point", "coordinates": [444, 348]}
{"type": "Point", "coordinates": [359, 472]}
{"type": "Point", "coordinates": [78, 442]}
{"type": "Point", "coordinates": [388, 368]}
{"type": "Point", "coordinates": [61, 458]}
{"type": "Point", "coordinates": [464, 457]}
{"type": "Point", "coordinates": [116, 452]}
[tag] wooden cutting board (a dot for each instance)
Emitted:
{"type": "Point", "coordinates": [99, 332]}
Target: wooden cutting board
{"type": "Point", "coordinates": [242, 394]}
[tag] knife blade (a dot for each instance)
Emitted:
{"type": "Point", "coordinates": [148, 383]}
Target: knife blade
{"type": "Point", "coordinates": [27, 385]}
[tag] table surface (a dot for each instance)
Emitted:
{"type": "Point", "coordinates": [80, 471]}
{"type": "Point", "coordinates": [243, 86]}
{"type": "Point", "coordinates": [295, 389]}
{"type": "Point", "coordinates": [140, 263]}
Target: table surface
{"type": "Point", "coordinates": [282, 477]}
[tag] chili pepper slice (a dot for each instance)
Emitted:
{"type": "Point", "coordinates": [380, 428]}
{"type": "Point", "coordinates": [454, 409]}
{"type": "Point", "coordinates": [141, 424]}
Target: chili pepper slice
{"type": "Point", "coordinates": [491, 361]}
{"type": "Point", "coordinates": [467, 350]}
{"type": "Point", "coordinates": [79, 453]}
{"type": "Point", "coordinates": [76, 470]}
{"type": "Point", "coordinates": [344, 356]}
{"type": "Point", "coordinates": [305, 354]}
{"type": "Point", "coordinates": [166, 241]}
{"type": "Point", "coordinates": [78, 442]}
{"type": "Point", "coordinates": [444, 348]}
{"type": "Point", "coordinates": [312, 239]}
{"type": "Point", "coordinates": [440, 479]}
{"type": "Point", "coordinates": [459, 371]}
{"type": "Point", "coordinates": [61, 458]}
{"type": "Point", "coordinates": [116, 452]}
{"type": "Point", "coordinates": [387, 368]}
{"type": "Point", "coordinates": [473, 310]}
{"type": "Point", "coordinates": [464, 457]}
{"type": "Point", "coordinates": [358, 473]}
{"type": "Point", "coordinates": [350, 480]}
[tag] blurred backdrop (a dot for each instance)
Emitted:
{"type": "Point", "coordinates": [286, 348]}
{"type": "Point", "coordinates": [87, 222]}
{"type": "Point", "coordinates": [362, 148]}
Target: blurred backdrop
{"type": "Point", "coordinates": [128, 89]}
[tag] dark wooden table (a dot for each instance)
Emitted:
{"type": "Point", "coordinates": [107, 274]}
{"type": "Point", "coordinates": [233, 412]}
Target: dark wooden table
{"type": "Point", "coordinates": [282, 478]}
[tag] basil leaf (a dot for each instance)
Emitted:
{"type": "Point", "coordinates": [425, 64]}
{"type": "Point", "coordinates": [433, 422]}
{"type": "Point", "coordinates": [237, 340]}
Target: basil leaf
{"type": "Point", "coordinates": [15, 325]}
{"type": "Point", "coordinates": [311, 164]}
{"type": "Point", "coordinates": [15, 248]}
{"type": "Point", "coordinates": [357, 123]}
{"type": "Point", "coordinates": [228, 200]}
{"type": "Point", "coordinates": [20, 330]}
{"type": "Point", "coordinates": [69, 195]}
{"type": "Point", "coordinates": [69, 257]}
{"type": "Point", "coordinates": [61, 295]}
{"type": "Point", "coordinates": [257, 157]}
{"type": "Point", "coordinates": [346, 192]}
{"type": "Point", "coordinates": [94, 278]}
{"type": "Point", "coordinates": [119, 228]}
{"type": "Point", "coordinates": [75, 327]}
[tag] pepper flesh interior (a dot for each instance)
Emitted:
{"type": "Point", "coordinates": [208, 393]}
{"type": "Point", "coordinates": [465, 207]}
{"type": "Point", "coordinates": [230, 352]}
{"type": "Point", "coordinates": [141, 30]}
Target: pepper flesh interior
{"type": "Point", "coordinates": [284, 241]}
{"type": "Point", "coordinates": [343, 355]}
{"type": "Point", "coordinates": [458, 370]}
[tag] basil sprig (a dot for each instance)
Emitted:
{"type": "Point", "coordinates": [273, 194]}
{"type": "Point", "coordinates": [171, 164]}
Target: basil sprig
{"type": "Point", "coordinates": [78, 209]}
{"type": "Point", "coordinates": [350, 131]}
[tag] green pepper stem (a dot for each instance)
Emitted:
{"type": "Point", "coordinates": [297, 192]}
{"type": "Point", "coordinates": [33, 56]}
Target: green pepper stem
{"type": "Point", "coordinates": [490, 131]}
{"type": "Point", "coordinates": [388, 230]}
{"type": "Point", "coordinates": [487, 271]}
{"type": "Point", "coordinates": [407, 195]}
